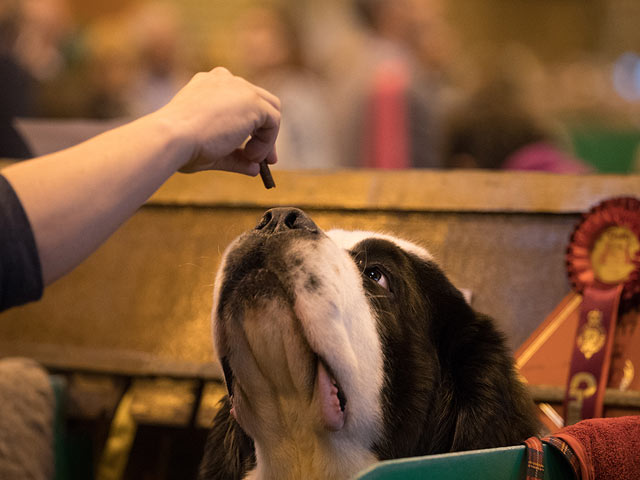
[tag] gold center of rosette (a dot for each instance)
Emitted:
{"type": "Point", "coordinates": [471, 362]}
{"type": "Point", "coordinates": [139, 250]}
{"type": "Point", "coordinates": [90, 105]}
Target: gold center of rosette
{"type": "Point", "coordinates": [613, 253]}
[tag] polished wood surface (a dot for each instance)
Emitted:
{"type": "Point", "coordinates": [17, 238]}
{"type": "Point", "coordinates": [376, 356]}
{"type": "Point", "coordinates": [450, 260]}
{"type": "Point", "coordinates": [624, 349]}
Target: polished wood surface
{"type": "Point", "coordinates": [404, 190]}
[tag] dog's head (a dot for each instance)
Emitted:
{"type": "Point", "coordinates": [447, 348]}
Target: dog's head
{"type": "Point", "coordinates": [340, 348]}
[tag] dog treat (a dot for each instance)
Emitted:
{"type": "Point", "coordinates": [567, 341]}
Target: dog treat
{"type": "Point", "coordinates": [265, 174]}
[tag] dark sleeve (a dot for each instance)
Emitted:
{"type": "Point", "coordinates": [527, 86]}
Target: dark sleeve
{"type": "Point", "coordinates": [20, 271]}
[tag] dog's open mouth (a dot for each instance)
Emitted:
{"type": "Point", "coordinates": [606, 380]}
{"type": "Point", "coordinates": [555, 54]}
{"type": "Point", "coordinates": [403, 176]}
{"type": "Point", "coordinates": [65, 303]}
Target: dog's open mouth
{"type": "Point", "coordinates": [330, 396]}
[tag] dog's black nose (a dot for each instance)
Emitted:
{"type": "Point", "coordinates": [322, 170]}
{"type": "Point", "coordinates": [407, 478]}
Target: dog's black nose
{"type": "Point", "coordinates": [284, 219]}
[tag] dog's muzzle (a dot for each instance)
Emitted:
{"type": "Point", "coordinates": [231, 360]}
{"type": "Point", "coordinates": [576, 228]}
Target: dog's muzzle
{"type": "Point", "coordinates": [262, 266]}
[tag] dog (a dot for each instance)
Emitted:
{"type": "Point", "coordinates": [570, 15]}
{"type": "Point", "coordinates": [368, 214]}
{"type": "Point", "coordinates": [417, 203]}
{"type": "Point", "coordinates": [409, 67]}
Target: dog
{"type": "Point", "coordinates": [340, 349]}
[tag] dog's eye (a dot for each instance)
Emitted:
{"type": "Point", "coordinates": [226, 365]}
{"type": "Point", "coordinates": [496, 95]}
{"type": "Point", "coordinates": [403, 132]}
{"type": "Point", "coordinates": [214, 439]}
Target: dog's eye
{"type": "Point", "coordinates": [375, 274]}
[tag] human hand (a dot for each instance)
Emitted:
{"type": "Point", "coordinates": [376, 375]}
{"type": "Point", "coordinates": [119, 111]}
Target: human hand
{"type": "Point", "coordinates": [213, 116]}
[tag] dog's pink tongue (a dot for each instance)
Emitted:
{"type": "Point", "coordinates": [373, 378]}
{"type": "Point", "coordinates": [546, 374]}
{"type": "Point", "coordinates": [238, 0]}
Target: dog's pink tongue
{"type": "Point", "coordinates": [332, 414]}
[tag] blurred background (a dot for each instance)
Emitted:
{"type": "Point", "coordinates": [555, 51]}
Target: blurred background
{"type": "Point", "coordinates": [549, 85]}
{"type": "Point", "coordinates": [545, 85]}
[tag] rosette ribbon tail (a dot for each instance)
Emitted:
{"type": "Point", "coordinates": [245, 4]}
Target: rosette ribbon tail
{"type": "Point", "coordinates": [603, 263]}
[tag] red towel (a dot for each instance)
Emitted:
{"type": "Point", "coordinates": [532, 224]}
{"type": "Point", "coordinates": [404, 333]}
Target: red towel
{"type": "Point", "coordinates": [607, 448]}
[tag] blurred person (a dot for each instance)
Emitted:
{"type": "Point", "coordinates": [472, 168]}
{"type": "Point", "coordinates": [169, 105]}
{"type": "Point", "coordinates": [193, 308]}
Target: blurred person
{"type": "Point", "coordinates": [135, 61]}
{"type": "Point", "coordinates": [269, 52]}
{"type": "Point", "coordinates": [16, 83]}
{"type": "Point", "coordinates": [57, 209]}
{"type": "Point", "coordinates": [157, 36]}
{"type": "Point", "coordinates": [392, 94]}
{"type": "Point", "coordinates": [44, 25]}
{"type": "Point", "coordinates": [111, 66]}
{"type": "Point", "coordinates": [495, 130]}
{"type": "Point", "coordinates": [47, 47]}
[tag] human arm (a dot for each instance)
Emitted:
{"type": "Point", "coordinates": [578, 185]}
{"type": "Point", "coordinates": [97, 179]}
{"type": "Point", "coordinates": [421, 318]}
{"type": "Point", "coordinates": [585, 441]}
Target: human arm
{"type": "Point", "coordinates": [74, 199]}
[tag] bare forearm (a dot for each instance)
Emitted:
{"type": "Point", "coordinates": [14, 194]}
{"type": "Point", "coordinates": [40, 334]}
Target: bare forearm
{"type": "Point", "coordinates": [76, 198]}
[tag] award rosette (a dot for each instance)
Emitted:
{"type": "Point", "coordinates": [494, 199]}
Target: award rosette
{"type": "Point", "coordinates": [603, 262]}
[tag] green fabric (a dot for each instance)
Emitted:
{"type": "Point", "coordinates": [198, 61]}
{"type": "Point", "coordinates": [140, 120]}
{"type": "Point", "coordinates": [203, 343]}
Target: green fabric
{"type": "Point", "coordinates": [60, 445]}
{"type": "Point", "coordinates": [508, 463]}
{"type": "Point", "coordinates": [608, 150]}
{"type": "Point", "coordinates": [73, 451]}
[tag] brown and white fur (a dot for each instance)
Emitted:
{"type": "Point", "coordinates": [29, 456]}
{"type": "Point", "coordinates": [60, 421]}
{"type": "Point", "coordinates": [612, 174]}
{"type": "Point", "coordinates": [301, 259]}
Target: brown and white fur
{"type": "Point", "coordinates": [344, 348]}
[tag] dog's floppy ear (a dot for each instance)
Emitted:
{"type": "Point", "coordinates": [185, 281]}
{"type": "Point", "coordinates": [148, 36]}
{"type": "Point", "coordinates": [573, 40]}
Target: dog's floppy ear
{"type": "Point", "coordinates": [486, 404]}
{"type": "Point", "coordinates": [229, 452]}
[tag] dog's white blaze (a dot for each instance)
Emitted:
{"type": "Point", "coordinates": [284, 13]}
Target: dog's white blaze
{"type": "Point", "coordinates": [341, 327]}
